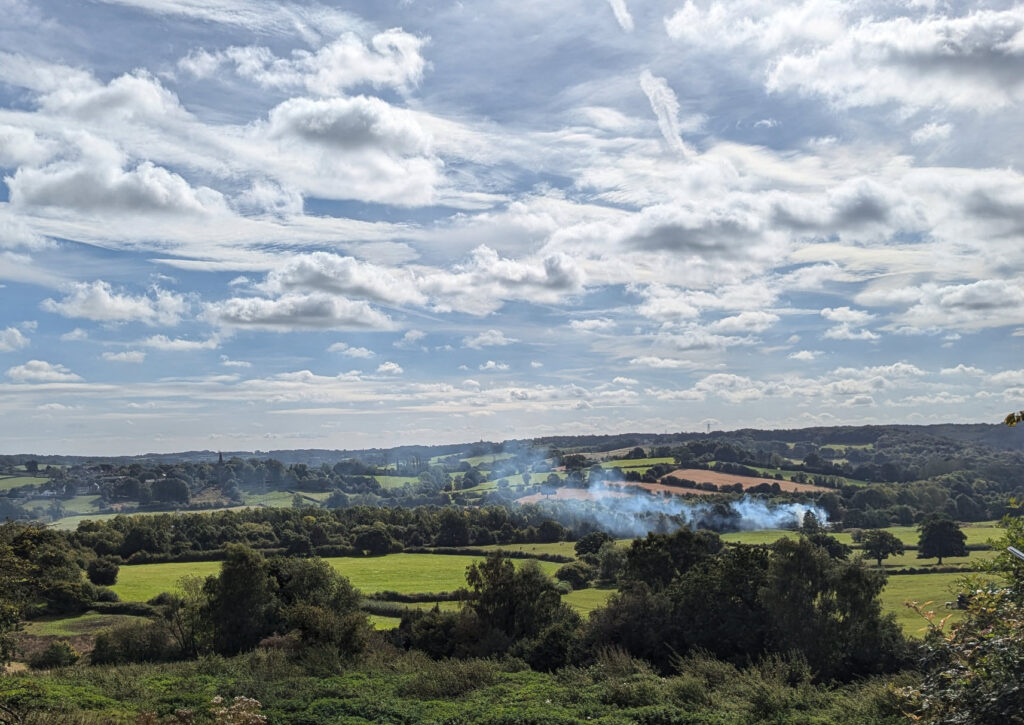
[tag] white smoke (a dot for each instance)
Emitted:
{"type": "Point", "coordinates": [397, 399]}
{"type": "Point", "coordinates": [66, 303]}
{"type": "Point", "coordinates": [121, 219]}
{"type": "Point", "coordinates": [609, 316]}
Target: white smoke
{"type": "Point", "coordinates": [638, 514]}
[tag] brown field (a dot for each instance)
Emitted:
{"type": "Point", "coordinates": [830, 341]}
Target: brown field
{"type": "Point", "coordinates": [702, 476]}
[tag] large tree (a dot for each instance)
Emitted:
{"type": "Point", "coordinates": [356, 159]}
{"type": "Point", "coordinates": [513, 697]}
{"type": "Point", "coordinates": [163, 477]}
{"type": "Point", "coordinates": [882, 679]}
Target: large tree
{"type": "Point", "coordinates": [940, 537]}
{"type": "Point", "coordinates": [879, 544]}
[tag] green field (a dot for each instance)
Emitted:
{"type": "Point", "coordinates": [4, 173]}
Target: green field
{"type": "Point", "coordinates": [977, 533]}
{"type": "Point", "coordinates": [636, 462]}
{"type": "Point", "coordinates": [381, 622]}
{"type": "Point", "coordinates": [564, 548]}
{"type": "Point", "coordinates": [585, 601]}
{"type": "Point", "coordinates": [935, 588]}
{"type": "Point", "coordinates": [404, 573]}
{"type": "Point", "coordinates": [72, 626]}
{"type": "Point", "coordinates": [477, 460]}
{"type": "Point", "coordinates": [395, 481]}
{"type": "Point", "coordinates": [9, 482]}
{"type": "Point", "coordinates": [73, 505]}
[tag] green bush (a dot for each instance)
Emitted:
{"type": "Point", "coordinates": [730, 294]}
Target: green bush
{"type": "Point", "coordinates": [448, 678]}
{"type": "Point", "coordinates": [56, 654]}
{"type": "Point", "coordinates": [103, 571]}
{"type": "Point", "coordinates": [132, 642]}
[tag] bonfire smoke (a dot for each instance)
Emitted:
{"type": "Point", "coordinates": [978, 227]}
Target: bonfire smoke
{"type": "Point", "coordinates": [637, 514]}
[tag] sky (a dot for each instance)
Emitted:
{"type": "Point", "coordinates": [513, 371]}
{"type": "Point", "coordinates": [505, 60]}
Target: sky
{"type": "Point", "coordinates": [254, 225]}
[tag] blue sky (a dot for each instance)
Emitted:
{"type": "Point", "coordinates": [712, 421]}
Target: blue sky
{"type": "Point", "coordinates": [230, 224]}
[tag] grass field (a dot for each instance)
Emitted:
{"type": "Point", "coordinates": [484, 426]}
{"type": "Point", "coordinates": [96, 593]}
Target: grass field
{"type": "Point", "coordinates": [380, 622]}
{"type": "Point", "coordinates": [935, 588]}
{"type": "Point", "coordinates": [404, 573]}
{"type": "Point", "coordinates": [73, 505]}
{"type": "Point", "coordinates": [636, 462]}
{"type": "Point", "coordinates": [395, 481]}
{"type": "Point", "coordinates": [477, 460]}
{"type": "Point", "coordinates": [73, 626]}
{"type": "Point", "coordinates": [977, 533]}
{"type": "Point", "coordinates": [586, 600]}
{"type": "Point", "coordinates": [9, 482]}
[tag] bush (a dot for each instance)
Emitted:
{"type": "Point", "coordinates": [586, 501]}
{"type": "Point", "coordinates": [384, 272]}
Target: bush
{"type": "Point", "coordinates": [103, 571]}
{"type": "Point", "coordinates": [578, 574]}
{"type": "Point", "coordinates": [133, 642]}
{"type": "Point", "coordinates": [448, 678]}
{"type": "Point", "coordinates": [56, 654]}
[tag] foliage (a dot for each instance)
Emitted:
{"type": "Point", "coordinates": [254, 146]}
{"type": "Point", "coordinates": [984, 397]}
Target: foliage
{"type": "Point", "coordinates": [56, 654]}
{"type": "Point", "coordinates": [879, 544]}
{"type": "Point", "coordinates": [103, 571]}
{"type": "Point", "coordinates": [941, 537]}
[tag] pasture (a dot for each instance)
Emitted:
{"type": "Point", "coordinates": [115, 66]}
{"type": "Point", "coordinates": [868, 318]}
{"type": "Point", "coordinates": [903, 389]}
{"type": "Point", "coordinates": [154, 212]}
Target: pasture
{"type": "Point", "coordinates": [403, 573]}
{"type": "Point", "coordinates": [9, 482]}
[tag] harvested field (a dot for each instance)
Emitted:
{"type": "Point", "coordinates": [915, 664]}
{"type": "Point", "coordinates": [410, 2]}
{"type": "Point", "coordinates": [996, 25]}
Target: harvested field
{"type": "Point", "coordinates": [701, 476]}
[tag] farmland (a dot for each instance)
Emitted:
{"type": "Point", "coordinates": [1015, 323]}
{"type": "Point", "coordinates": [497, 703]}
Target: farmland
{"type": "Point", "coordinates": [700, 475]}
{"type": "Point", "coordinates": [403, 573]}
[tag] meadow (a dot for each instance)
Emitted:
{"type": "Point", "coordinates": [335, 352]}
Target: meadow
{"type": "Point", "coordinates": [9, 482]}
{"type": "Point", "coordinates": [403, 573]}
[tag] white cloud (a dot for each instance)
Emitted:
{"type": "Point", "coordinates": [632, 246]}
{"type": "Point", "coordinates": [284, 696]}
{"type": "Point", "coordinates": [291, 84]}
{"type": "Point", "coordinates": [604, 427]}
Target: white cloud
{"type": "Point", "coordinates": [410, 340]}
{"type": "Point", "coordinates": [76, 335]}
{"type": "Point", "coordinates": [849, 324]}
{"type": "Point", "coordinates": [323, 272]}
{"type": "Point", "coordinates": [488, 338]}
{"type": "Point", "coordinates": [969, 62]}
{"type": "Point", "coordinates": [930, 133]}
{"type": "Point", "coordinates": [592, 325]}
{"type": "Point", "coordinates": [128, 356]}
{"type": "Point", "coordinates": [666, 107]}
{"type": "Point", "coordinates": [227, 362]}
{"type": "Point", "coordinates": [390, 59]}
{"type": "Point", "coordinates": [536, 364]}
{"type": "Point", "coordinates": [390, 368]}
{"type": "Point", "coordinates": [297, 312]}
{"type": "Point", "coordinates": [349, 351]}
{"type": "Point", "coordinates": [804, 355]}
{"type": "Point", "coordinates": [625, 381]}
{"type": "Point", "coordinates": [162, 342]}
{"type": "Point", "coordinates": [749, 321]}
{"type": "Point", "coordinates": [652, 361]}
{"type": "Point", "coordinates": [622, 16]}
{"type": "Point", "coordinates": [11, 339]}
{"type": "Point", "coordinates": [40, 371]}
{"type": "Point", "coordinates": [492, 365]}
{"type": "Point", "coordinates": [98, 301]}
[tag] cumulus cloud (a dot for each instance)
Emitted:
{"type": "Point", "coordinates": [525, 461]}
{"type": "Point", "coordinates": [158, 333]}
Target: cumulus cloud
{"type": "Point", "coordinates": [749, 321]}
{"type": "Point", "coordinates": [128, 356]}
{"type": "Point", "coordinates": [167, 344]}
{"type": "Point", "coordinates": [592, 325]}
{"type": "Point", "coordinates": [324, 272]}
{"type": "Point", "coordinates": [12, 339]}
{"type": "Point", "coordinates": [849, 325]}
{"type": "Point", "coordinates": [40, 371]}
{"type": "Point", "coordinates": [482, 284]}
{"type": "Point", "coordinates": [296, 312]}
{"type": "Point", "coordinates": [804, 355]}
{"type": "Point", "coordinates": [410, 340]}
{"type": "Point", "coordinates": [98, 301]}
{"type": "Point", "coordinates": [390, 368]}
{"type": "Point", "coordinates": [493, 365]}
{"type": "Point", "coordinates": [488, 338]}
{"type": "Point", "coordinates": [973, 62]}
{"type": "Point", "coordinates": [349, 351]}
{"type": "Point", "coordinates": [969, 306]}
{"type": "Point", "coordinates": [389, 59]}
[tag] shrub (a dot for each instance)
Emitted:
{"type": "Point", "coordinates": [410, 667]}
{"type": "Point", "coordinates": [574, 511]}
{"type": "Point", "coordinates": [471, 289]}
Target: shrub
{"type": "Point", "coordinates": [578, 574]}
{"type": "Point", "coordinates": [56, 654]}
{"type": "Point", "coordinates": [132, 642]}
{"type": "Point", "coordinates": [448, 678]}
{"type": "Point", "coordinates": [103, 571]}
